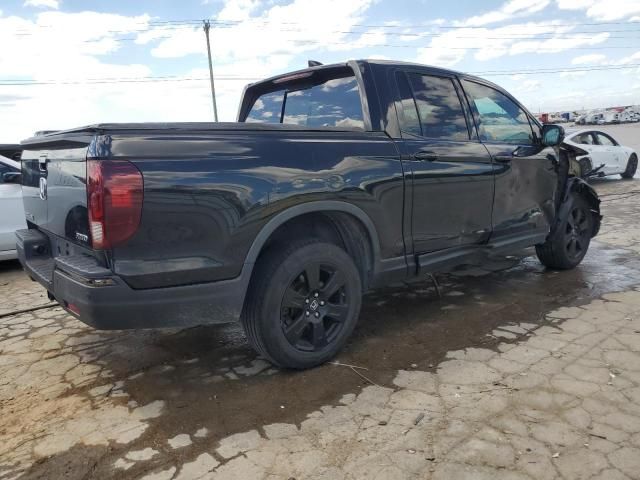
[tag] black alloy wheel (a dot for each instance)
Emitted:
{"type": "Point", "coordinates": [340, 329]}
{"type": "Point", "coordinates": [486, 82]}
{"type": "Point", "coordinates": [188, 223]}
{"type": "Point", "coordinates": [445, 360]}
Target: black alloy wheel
{"type": "Point", "coordinates": [315, 307]}
{"type": "Point", "coordinates": [568, 243]}
{"type": "Point", "coordinates": [577, 233]}
{"type": "Point", "coordinates": [303, 303]}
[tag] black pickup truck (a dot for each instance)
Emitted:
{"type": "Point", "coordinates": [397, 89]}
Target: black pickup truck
{"type": "Point", "coordinates": [334, 180]}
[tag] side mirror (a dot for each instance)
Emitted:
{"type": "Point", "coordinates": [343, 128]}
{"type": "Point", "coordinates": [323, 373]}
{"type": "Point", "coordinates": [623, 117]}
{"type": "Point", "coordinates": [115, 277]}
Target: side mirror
{"type": "Point", "coordinates": [552, 135]}
{"type": "Point", "coordinates": [12, 177]}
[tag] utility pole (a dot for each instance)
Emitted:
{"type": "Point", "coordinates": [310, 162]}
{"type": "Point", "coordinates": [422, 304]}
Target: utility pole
{"type": "Point", "coordinates": [206, 28]}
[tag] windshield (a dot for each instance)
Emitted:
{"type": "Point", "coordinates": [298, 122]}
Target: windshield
{"type": "Point", "coordinates": [332, 103]}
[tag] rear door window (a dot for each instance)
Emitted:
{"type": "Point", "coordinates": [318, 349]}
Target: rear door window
{"type": "Point", "coordinates": [333, 103]}
{"type": "Point", "coordinates": [499, 118]}
{"type": "Point", "coordinates": [605, 140]}
{"type": "Point", "coordinates": [584, 139]}
{"type": "Point", "coordinates": [431, 107]}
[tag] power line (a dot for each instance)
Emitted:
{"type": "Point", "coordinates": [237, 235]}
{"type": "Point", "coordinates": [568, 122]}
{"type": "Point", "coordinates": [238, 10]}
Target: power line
{"type": "Point", "coordinates": [550, 49]}
{"type": "Point", "coordinates": [170, 24]}
{"type": "Point", "coordinates": [437, 47]}
{"type": "Point", "coordinates": [227, 25]}
{"type": "Point", "coordinates": [580, 35]}
{"type": "Point", "coordinates": [491, 73]}
{"type": "Point", "coordinates": [549, 36]}
{"type": "Point", "coordinates": [95, 81]}
{"type": "Point", "coordinates": [197, 22]}
{"type": "Point", "coordinates": [559, 36]}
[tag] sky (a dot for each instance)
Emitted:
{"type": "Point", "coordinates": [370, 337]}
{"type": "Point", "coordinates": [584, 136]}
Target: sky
{"type": "Point", "coordinates": [67, 63]}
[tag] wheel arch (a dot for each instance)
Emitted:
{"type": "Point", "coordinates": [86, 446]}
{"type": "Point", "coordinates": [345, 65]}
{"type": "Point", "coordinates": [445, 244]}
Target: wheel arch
{"type": "Point", "coordinates": [581, 187]}
{"type": "Point", "coordinates": [328, 212]}
{"type": "Point", "coordinates": [320, 207]}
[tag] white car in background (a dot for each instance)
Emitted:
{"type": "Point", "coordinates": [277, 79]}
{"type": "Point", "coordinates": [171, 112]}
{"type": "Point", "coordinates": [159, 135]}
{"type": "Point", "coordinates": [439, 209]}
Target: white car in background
{"type": "Point", "coordinates": [593, 149]}
{"type": "Point", "coordinates": [11, 208]}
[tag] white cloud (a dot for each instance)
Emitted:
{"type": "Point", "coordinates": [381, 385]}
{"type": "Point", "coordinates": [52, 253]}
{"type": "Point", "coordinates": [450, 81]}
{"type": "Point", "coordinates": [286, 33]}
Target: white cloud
{"type": "Point", "coordinates": [451, 47]}
{"type": "Point", "coordinates": [234, 10]}
{"type": "Point", "coordinates": [272, 31]}
{"type": "Point", "coordinates": [529, 85]}
{"type": "Point", "coordinates": [58, 47]}
{"type": "Point", "coordinates": [254, 39]}
{"type": "Point", "coordinates": [508, 10]}
{"type": "Point", "coordinates": [633, 58]}
{"type": "Point", "coordinates": [55, 4]}
{"type": "Point", "coordinates": [589, 59]}
{"type": "Point", "coordinates": [603, 11]}
{"type": "Point", "coordinates": [62, 46]}
{"type": "Point", "coordinates": [555, 45]}
{"type": "Point", "coordinates": [574, 4]}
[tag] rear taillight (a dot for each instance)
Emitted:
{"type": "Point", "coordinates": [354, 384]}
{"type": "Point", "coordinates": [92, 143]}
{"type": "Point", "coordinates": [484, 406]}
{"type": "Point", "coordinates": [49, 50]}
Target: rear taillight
{"type": "Point", "coordinates": [114, 201]}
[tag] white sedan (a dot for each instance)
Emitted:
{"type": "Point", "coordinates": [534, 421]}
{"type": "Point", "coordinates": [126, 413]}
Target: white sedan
{"type": "Point", "coordinates": [596, 150]}
{"type": "Point", "coordinates": [11, 208]}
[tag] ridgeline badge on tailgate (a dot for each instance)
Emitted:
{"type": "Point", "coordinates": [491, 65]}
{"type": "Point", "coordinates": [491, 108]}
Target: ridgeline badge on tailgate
{"type": "Point", "coordinates": [82, 237]}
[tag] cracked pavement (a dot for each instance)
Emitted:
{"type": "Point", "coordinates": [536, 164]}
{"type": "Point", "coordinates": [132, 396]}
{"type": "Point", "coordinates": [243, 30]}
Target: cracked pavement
{"type": "Point", "coordinates": [515, 373]}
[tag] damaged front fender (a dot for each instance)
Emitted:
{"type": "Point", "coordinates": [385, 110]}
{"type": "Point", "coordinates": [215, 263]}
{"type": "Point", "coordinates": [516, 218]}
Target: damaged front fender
{"type": "Point", "coordinates": [579, 186]}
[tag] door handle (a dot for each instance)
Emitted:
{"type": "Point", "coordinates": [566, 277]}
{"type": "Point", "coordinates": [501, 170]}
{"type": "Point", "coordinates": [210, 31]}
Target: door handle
{"type": "Point", "coordinates": [425, 156]}
{"type": "Point", "coordinates": [503, 158]}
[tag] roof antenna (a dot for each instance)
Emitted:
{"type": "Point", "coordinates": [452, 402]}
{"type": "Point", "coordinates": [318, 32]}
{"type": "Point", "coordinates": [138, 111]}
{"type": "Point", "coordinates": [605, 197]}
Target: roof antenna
{"type": "Point", "coordinates": [314, 63]}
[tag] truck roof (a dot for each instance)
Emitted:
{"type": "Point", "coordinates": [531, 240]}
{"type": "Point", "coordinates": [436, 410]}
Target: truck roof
{"type": "Point", "coordinates": [371, 61]}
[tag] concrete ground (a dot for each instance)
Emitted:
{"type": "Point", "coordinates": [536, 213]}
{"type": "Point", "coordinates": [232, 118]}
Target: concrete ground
{"type": "Point", "coordinates": [515, 373]}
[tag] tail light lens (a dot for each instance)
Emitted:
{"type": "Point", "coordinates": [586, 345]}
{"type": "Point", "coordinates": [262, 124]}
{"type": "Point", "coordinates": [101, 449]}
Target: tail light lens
{"type": "Point", "coordinates": [114, 200]}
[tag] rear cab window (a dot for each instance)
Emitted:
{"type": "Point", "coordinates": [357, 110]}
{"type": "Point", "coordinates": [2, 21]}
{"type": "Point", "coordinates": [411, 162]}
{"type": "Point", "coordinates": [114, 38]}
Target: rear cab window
{"type": "Point", "coordinates": [321, 98]}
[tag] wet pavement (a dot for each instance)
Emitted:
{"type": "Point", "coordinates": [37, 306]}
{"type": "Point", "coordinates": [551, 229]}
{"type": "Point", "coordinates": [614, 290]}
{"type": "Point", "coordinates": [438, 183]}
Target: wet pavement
{"type": "Point", "coordinates": [515, 372]}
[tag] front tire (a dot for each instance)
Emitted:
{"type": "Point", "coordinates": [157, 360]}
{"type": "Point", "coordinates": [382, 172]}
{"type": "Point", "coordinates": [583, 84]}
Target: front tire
{"type": "Point", "coordinates": [632, 166]}
{"type": "Point", "coordinates": [303, 303]}
{"type": "Point", "coordinates": [565, 247]}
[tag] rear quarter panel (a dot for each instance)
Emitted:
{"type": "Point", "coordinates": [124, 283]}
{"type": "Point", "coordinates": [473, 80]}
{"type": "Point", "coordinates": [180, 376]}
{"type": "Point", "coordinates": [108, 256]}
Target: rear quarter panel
{"type": "Point", "coordinates": [207, 195]}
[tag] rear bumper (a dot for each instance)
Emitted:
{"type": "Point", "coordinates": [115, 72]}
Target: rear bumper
{"type": "Point", "coordinates": [97, 297]}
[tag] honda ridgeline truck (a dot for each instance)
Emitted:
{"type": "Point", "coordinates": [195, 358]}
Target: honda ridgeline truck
{"type": "Point", "coordinates": [335, 180]}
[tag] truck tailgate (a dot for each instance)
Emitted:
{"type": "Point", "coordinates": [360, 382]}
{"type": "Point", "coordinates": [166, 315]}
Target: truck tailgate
{"type": "Point", "coordinates": [54, 185]}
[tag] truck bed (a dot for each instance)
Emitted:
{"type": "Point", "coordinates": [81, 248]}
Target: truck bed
{"type": "Point", "coordinates": [101, 128]}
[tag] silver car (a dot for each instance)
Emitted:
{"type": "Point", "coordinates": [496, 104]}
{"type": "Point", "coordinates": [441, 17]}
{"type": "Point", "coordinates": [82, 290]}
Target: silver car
{"type": "Point", "coordinates": [11, 209]}
{"type": "Point", "coordinates": [594, 149]}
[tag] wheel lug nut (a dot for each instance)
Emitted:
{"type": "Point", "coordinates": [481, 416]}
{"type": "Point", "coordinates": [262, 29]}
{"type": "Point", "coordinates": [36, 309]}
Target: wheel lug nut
{"type": "Point", "coordinates": [317, 315]}
{"type": "Point", "coordinates": [306, 300]}
{"type": "Point", "coordinates": [307, 313]}
{"type": "Point", "coordinates": [315, 294]}
{"type": "Point", "coordinates": [322, 302]}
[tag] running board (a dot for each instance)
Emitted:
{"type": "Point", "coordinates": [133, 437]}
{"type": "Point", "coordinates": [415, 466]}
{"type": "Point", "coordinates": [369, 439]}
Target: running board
{"type": "Point", "coordinates": [443, 260]}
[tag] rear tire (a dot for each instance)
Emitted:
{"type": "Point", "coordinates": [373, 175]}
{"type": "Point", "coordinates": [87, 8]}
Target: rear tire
{"type": "Point", "coordinates": [632, 166]}
{"type": "Point", "coordinates": [303, 303]}
{"type": "Point", "coordinates": [568, 244]}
